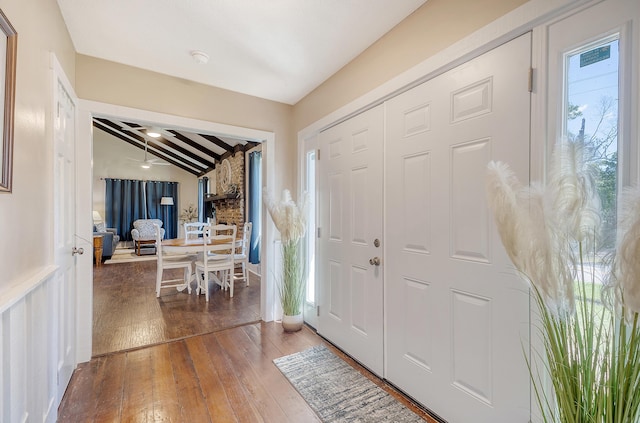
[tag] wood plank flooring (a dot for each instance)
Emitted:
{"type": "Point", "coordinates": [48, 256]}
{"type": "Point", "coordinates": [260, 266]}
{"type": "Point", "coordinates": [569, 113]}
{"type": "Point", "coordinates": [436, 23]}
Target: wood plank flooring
{"type": "Point", "coordinates": [179, 359]}
{"type": "Point", "coordinates": [225, 376]}
{"type": "Point", "coordinates": [127, 314]}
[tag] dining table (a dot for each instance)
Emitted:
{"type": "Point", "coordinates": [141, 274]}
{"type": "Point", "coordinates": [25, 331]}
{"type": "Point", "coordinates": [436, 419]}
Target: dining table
{"type": "Point", "coordinates": [182, 246]}
{"type": "Point", "coordinates": [195, 245]}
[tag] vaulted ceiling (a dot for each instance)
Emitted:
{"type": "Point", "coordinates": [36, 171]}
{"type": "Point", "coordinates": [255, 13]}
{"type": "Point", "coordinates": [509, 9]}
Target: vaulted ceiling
{"type": "Point", "coordinates": [275, 49]}
{"type": "Point", "coordinates": [278, 49]}
{"type": "Point", "coordinates": [196, 153]}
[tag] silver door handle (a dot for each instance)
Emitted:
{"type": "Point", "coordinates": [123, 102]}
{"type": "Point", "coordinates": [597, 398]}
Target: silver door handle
{"type": "Point", "coordinates": [374, 261]}
{"type": "Point", "coordinates": [77, 251]}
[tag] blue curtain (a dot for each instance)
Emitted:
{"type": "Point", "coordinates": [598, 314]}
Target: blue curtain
{"type": "Point", "coordinates": [124, 203]}
{"type": "Point", "coordinates": [154, 192]}
{"type": "Point", "coordinates": [203, 188]}
{"type": "Point", "coordinates": [255, 204]}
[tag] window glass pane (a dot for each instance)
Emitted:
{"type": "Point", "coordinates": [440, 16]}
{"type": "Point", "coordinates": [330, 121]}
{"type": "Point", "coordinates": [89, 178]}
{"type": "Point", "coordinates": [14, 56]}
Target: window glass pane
{"type": "Point", "coordinates": [591, 117]}
{"type": "Point", "coordinates": [311, 227]}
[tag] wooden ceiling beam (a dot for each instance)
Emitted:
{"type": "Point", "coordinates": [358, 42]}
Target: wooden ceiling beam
{"type": "Point", "coordinates": [237, 149]}
{"type": "Point", "coordinates": [193, 144]}
{"type": "Point", "coordinates": [106, 126]}
{"type": "Point", "coordinates": [201, 162]}
{"type": "Point", "coordinates": [175, 152]}
{"type": "Point", "coordinates": [162, 144]}
{"type": "Point", "coordinates": [217, 141]}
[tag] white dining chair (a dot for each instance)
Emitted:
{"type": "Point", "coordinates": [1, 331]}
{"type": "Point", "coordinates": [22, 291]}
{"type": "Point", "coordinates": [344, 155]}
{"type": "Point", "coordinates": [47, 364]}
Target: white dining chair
{"type": "Point", "coordinates": [193, 230]}
{"type": "Point", "coordinates": [242, 257]}
{"type": "Point", "coordinates": [207, 267]}
{"type": "Point", "coordinates": [165, 262]}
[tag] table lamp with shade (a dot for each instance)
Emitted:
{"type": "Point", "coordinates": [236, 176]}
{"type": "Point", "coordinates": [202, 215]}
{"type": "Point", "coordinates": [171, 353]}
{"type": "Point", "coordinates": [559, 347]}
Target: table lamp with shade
{"type": "Point", "coordinates": [96, 217]}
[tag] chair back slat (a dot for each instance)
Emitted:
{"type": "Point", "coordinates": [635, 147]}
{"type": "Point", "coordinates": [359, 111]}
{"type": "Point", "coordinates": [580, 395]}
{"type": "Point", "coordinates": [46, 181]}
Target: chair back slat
{"type": "Point", "coordinates": [224, 263]}
{"type": "Point", "coordinates": [193, 229]}
{"type": "Point", "coordinates": [216, 232]}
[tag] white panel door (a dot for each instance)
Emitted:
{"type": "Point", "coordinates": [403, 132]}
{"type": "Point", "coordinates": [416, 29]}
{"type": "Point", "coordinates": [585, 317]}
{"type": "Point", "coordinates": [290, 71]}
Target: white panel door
{"type": "Point", "coordinates": [350, 219]}
{"type": "Point", "coordinates": [64, 231]}
{"type": "Point", "coordinates": [457, 316]}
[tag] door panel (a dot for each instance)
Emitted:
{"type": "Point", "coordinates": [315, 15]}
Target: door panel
{"type": "Point", "coordinates": [65, 223]}
{"type": "Point", "coordinates": [456, 313]}
{"type": "Point", "coordinates": [350, 216]}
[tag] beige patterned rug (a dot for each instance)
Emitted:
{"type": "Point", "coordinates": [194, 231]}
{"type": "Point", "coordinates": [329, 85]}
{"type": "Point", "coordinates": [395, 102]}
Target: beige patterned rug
{"type": "Point", "coordinates": [338, 392]}
{"type": "Point", "coordinates": [127, 255]}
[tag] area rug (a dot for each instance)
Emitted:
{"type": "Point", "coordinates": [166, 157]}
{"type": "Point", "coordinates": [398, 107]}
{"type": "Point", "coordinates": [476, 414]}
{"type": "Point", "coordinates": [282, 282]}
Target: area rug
{"type": "Point", "coordinates": [127, 255]}
{"type": "Point", "coordinates": [339, 393]}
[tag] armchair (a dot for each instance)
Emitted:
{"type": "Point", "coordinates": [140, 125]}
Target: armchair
{"type": "Point", "coordinates": [144, 233]}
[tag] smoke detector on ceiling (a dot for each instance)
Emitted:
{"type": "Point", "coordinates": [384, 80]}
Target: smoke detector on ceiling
{"type": "Point", "coordinates": [200, 57]}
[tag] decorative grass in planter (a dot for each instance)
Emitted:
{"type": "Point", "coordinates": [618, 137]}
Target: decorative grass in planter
{"type": "Point", "coordinates": [290, 220]}
{"type": "Point", "coordinates": [590, 343]}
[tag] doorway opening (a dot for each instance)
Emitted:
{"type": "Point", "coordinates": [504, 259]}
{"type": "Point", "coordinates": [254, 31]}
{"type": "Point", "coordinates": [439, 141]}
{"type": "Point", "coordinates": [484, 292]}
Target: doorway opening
{"type": "Point", "coordinates": [261, 307]}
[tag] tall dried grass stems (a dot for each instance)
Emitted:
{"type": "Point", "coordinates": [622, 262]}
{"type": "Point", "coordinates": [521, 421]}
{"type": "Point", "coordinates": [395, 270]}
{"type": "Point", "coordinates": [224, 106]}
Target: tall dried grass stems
{"type": "Point", "coordinates": [623, 283]}
{"type": "Point", "coordinates": [290, 220]}
{"type": "Point", "coordinates": [591, 353]}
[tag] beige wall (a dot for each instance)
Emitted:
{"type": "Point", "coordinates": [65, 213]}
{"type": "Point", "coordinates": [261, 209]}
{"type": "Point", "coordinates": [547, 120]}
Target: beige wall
{"type": "Point", "coordinates": [111, 159]}
{"type": "Point", "coordinates": [26, 218]}
{"type": "Point", "coordinates": [25, 215]}
{"type": "Point", "coordinates": [112, 83]}
{"type": "Point", "coordinates": [433, 27]}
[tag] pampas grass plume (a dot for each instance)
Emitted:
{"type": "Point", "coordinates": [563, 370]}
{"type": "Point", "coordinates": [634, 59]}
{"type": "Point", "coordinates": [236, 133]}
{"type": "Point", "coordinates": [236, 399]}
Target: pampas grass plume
{"type": "Point", "coordinates": [626, 268]}
{"type": "Point", "coordinates": [523, 228]}
{"type": "Point", "coordinates": [289, 217]}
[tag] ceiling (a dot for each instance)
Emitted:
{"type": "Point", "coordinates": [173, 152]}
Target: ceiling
{"type": "Point", "coordinates": [279, 50]}
{"type": "Point", "coordinates": [196, 153]}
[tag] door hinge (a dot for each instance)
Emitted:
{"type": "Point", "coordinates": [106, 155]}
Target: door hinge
{"type": "Point", "coordinates": [318, 311]}
{"type": "Point", "coordinates": [317, 154]}
{"type": "Point", "coordinates": [318, 230]}
{"type": "Point", "coordinates": [530, 82]}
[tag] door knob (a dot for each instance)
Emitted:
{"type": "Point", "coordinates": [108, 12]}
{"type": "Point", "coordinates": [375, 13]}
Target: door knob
{"type": "Point", "coordinates": [374, 261]}
{"type": "Point", "coordinates": [78, 251]}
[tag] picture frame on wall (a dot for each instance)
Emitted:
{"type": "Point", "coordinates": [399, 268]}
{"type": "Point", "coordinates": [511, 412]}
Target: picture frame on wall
{"type": "Point", "coordinates": [8, 52]}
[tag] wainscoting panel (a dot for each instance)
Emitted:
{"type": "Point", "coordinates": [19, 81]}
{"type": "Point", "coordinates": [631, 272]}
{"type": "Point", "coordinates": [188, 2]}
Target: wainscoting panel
{"type": "Point", "coordinates": [28, 350]}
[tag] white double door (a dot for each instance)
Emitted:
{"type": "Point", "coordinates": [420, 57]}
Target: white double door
{"type": "Point", "coordinates": [455, 315]}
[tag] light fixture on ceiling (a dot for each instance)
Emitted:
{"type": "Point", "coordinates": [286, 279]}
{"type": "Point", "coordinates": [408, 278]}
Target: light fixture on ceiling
{"type": "Point", "coordinates": [153, 132]}
{"type": "Point", "coordinates": [200, 57]}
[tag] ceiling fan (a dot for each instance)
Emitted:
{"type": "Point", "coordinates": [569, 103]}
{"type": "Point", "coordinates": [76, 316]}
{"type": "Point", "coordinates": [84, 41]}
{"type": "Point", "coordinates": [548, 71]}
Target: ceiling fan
{"type": "Point", "coordinates": [147, 162]}
{"type": "Point", "coordinates": [152, 131]}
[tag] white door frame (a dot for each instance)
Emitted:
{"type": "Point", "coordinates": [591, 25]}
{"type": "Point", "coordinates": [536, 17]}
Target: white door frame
{"type": "Point", "coordinates": [86, 111]}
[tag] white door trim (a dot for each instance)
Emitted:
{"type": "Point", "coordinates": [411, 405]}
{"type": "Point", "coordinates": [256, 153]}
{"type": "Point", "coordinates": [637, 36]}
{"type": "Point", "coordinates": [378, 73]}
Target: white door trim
{"type": "Point", "coordinates": [87, 109]}
{"type": "Point", "coordinates": [304, 147]}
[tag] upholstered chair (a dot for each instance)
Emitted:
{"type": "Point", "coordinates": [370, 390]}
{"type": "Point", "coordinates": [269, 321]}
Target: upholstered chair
{"type": "Point", "coordinates": [144, 232]}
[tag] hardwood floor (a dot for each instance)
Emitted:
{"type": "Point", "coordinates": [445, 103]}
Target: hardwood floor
{"type": "Point", "coordinates": [179, 359]}
{"type": "Point", "coordinates": [127, 314]}
{"type": "Point", "coordinates": [225, 376]}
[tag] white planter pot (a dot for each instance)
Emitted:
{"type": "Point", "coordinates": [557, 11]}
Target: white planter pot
{"type": "Point", "coordinates": [292, 323]}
